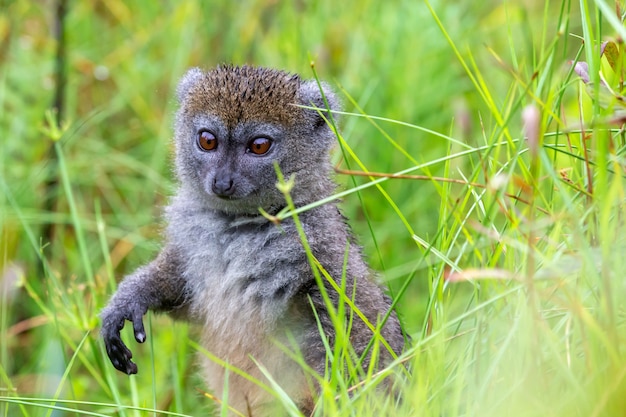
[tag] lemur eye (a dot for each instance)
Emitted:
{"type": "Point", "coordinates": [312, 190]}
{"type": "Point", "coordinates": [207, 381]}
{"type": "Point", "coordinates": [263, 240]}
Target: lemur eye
{"type": "Point", "coordinates": [206, 140]}
{"type": "Point", "coordinates": [259, 146]}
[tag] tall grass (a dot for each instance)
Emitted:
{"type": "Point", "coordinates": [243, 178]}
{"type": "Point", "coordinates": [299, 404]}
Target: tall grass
{"type": "Point", "coordinates": [481, 168]}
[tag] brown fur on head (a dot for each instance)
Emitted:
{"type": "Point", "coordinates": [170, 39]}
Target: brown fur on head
{"type": "Point", "coordinates": [239, 94]}
{"type": "Point", "coordinates": [237, 105]}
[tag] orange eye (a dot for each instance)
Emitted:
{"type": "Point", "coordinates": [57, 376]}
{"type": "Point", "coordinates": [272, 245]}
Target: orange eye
{"type": "Point", "coordinates": [207, 140]}
{"type": "Point", "coordinates": [259, 146]}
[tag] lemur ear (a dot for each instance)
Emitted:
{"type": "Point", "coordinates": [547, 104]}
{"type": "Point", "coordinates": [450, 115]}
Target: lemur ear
{"type": "Point", "coordinates": [311, 95]}
{"type": "Point", "coordinates": [185, 84]}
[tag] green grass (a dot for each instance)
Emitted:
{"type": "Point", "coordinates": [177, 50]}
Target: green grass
{"type": "Point", "coordinates": [501, 238]}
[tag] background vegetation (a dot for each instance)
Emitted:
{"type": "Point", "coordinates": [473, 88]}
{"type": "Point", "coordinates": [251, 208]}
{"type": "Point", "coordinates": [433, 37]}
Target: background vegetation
{"type": "Point", "coordinates": [505, 250]}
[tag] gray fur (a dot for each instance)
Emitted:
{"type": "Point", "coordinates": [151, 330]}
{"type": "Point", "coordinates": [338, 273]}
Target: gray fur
{"type": "Point", "coordinates": [191, 78]}
{"type": "Point", "coordinates": [243, 280]}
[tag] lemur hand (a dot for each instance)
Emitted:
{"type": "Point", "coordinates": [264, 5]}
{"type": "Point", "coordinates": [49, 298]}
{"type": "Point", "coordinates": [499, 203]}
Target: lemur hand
{"type": "Point", "coordinates": [113, 320]}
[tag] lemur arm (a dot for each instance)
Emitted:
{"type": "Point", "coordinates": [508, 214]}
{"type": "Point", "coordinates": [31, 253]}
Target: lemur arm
{"type": "Point", "coordinates": [158, 286]}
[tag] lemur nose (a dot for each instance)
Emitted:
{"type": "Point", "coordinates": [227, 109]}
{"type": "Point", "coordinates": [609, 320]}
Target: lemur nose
{"type": "Point", "coordinates": [223, 186]}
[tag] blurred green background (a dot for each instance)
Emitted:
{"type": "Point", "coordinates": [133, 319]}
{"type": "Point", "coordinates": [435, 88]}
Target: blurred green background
{"type": "Point", "coordinates": [123, 60]}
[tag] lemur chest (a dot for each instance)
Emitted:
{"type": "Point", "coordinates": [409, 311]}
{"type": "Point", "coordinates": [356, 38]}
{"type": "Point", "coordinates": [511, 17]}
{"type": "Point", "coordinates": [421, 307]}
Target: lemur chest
{"type": "Point", "coordinates": [230, 275]}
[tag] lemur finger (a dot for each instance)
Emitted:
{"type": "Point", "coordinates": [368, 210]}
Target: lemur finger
{"type": "Point", "coordinates": [140, 332]}
{"type": "Point", "coordinates": [120, 356]}
{"type": "Point", "coordinates": [116, 350]}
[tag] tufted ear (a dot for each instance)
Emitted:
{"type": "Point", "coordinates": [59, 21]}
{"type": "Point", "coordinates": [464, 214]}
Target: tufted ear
{"type": "Point", "coordinates": [188, 80]}
{"type": "Point", "coordinates": [310, 95]}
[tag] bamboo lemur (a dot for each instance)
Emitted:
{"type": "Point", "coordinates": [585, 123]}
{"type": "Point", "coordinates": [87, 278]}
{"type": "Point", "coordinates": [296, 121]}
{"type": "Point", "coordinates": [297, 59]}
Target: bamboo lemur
{"type": "Point", "coordinates": [246, 281]}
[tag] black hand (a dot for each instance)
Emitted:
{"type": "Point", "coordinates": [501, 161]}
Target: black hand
{"type": "Point", "coordinates": [113, 321]}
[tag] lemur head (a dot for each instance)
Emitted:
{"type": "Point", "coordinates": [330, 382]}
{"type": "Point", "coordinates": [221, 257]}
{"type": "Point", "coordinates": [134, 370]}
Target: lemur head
{"type": "Point", "coordinates": [233, 123]}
